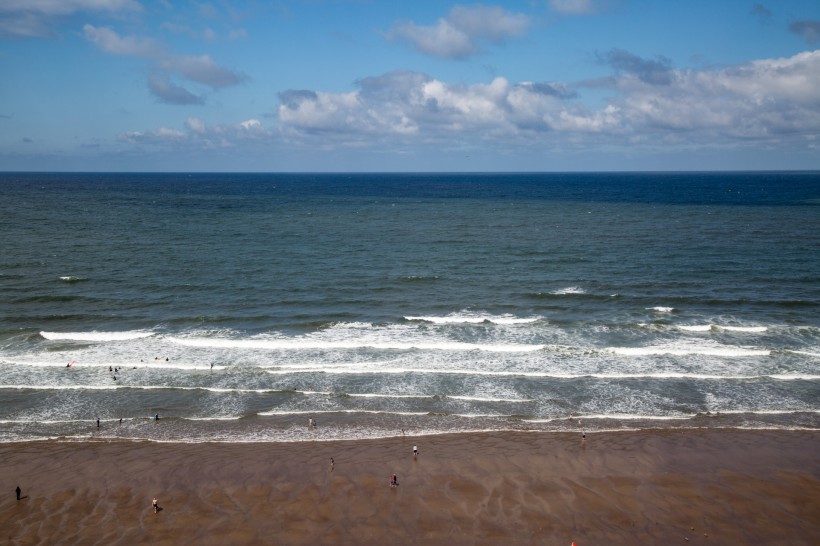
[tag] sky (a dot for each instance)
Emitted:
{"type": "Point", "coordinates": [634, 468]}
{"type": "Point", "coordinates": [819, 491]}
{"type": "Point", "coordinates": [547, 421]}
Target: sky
{"type": "Point", "coordinates": [409, 85]}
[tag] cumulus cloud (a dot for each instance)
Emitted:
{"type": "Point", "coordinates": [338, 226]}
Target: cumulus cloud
{"type": "Point", "coordinates": [111, 42]}
{"type": "Point", "coordinates": [409, 103]}
{"type": "Point", "coordinates": [757, 100]}
{"type": "Point", "coordinates": [37, 18]}
{"type": "Point", "coordinates": [653, 71]}
{"type": "Point", "coordinates": [771, 102]}
{"type": "Point", "coordinates": [198, 135]}
{"type": "Point", "coordinates": [200, 69]}
{"type": "Point", "coordinates": [170, 93]}
{"type": "Point", "coordinates": [462, 32]}
{"type": "Point", "coordinates": [769, 99]}
{"type": "Point", "coordinates": [809, 30]}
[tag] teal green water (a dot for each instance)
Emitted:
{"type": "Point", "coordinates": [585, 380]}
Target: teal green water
{"type": "Point", "coordinates": [239, 306]}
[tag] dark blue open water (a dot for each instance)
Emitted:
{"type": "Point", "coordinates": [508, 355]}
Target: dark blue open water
{"type": "Point", "coordinates": [238, 306]}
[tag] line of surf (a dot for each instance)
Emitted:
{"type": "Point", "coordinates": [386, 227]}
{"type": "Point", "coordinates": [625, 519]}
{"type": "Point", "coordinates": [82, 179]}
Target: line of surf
{"type": "Point", "coordinates": [95, 336]}
{"type": "Point", "coordinates": [549, 375]}
{"type": "Point", "coordinates": [309, 344]}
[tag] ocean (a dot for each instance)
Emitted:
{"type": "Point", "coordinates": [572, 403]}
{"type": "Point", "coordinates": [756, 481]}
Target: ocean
{"type": "Point", "coordinates": [236, 307]}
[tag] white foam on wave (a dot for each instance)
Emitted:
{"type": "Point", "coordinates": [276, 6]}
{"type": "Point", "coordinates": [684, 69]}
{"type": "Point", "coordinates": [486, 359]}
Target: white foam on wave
{"type": "Point", "coordinates": [661, 309]}
{"type": "Point", "coordinates": [636, 417]}
{"type": "Point", "coordinates": [95, 336]}
{"type": "Point", "coordinates": [213, 418]}
{"type": "Point", "coordinates": [151, 365]}
{"type": "Point", "coordinates": [716, 413]}
{"type": "Point", "coordinates": [550, 375]}
{"type": "Point", "coordinates": [315, 344]}
{"type": "Point", "coordinates": [568, 290]}
{"type": "Point", "coordinates": [482, 399]}
{"type": "Point", "coordinates": [317, 412]}
{"type": "Point", "coordinates": [805, 353]}
{"type": "Point", "coordinates": [682, 350]}
{"type": "Point", "coordinates": [474, 319]}
{"type": "Point", "coordinates": [718, 327]}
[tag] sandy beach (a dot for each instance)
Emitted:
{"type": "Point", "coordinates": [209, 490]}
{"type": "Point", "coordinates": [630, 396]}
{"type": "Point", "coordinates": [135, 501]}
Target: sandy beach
{"type": "Point", "coordinates": [650, 487]}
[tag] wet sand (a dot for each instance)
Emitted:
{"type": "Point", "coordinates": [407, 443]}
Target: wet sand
{"type": "Point", "coordinates": [684, 487]}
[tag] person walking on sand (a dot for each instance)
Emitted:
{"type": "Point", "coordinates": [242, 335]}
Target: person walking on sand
{"type": "Point", "coordinates": [18, 491]}
{"type": "Point", "coordinates": [332, 464]}
{"type": "Point", "coordinates": [415, 452]}
{"type": "Point", "coordinates": [155, 505]}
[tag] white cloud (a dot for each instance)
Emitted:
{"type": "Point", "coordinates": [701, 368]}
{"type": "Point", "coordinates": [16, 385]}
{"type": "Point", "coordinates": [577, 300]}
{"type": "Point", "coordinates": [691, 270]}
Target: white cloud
{"type": "Point", "coordinates": [762, 99]}
{"type": "Point", "coordinates": [170, 93]}
{"type": "Point", "coordinates": [462, 32]}
{"type": "Point", "coordinates": [198, 135]}
{"type": "Point", "coordinates": [111, 42]}
{"type": "Point", "coordinates": [37, 18]}
{"type": "Point", "coordinates": [64, 7]}
{"type": "Point", "coordinates": [765, 99]}
{"type": "Point", "coordinates": [769, 102]}
{"type": "Point", "coordinates": [201, 69]}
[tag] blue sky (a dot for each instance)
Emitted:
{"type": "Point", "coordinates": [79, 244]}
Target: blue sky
{"type": "Point", "coordinates": [377, 85]}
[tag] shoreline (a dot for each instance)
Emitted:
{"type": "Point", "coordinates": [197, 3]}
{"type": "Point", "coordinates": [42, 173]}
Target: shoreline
{"type": "Point", "coordinates": [624, 487]}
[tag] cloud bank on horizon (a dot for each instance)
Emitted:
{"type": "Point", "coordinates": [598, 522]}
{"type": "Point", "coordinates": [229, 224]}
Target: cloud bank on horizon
{"type": "Point", "coordinates": [347, 85]}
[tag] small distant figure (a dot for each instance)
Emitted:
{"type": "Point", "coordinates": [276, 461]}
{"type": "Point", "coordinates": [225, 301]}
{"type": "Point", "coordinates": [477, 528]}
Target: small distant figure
{"type": "Point", "coordinates": [394, 482]}
{"type": "Point", "coordinates": [120, 420]}
{"type": "Point", "coordinates": [584, 436]}
{"type": "Point", "coordinates": [18, 491]}
{"type": "Point", "coordinates": [110, 369]}
{"type": "Point", "coordinates": [212, 365]}
{"type": "Point", "coordinates": [415, 452]}
{"type": "Point", "coordinates": [155, 505]}
{"type": "Point", "coordinates": [98, 423]}
{"type": "Point", "coordinates": [332, 464]}
{"type": "Point", "coordinates": [115, 378]}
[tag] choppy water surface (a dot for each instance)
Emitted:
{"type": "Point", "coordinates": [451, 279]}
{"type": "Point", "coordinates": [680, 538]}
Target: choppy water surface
{"type": "Point", "coordinates": [239, 306]}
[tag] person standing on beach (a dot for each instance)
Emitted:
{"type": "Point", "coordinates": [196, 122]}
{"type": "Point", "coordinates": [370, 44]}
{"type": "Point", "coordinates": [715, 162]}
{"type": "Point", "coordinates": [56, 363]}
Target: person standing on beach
{"type": "Point", "coordinates": [18, 491]}
{"type": "Point", "coordinates": [98, 422]}
{"type": "Point", "coordinates": [155, 505]}
{"type": "Point", "coordinates": [415, 452]}
{"type": "Point", "coordinates": [332, 464]}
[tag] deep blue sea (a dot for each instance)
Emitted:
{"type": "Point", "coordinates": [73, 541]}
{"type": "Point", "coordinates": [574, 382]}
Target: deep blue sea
{"type": "Point", "coordinates": [238, 306]}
